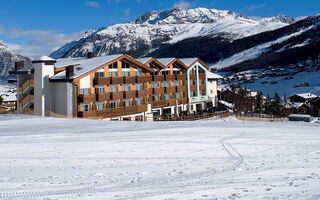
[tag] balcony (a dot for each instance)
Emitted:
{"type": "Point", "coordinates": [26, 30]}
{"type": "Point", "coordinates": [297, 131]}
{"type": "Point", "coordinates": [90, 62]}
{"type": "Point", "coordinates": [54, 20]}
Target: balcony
{"type": "Point", "coordinates": [113, 112]}
{"type": "Point", "coordinates": [143, 79]}
{"type": "Point", "coordinates": [116, 95]}
{"type": "Point", "coordinates": [193, 76]}
{"type": "Point", "coordinates": [202, 76]}
{"type": "Point", "coordinates": [182, 88]}
{"type": "Point", "coordinates": [87, 98]}
{"type": "Point", "coordinates": [129, 79]}
{"type": "Point", "coordinates": [170, 77]}
{"type": "Point", "coordinates": [141, 93]}
{"type": "Point", "coordinates": [26, 100]}
{"type": "Point", "coordinates": [116, 80]}
{"type": "Point", "coordinates": [181, 77]}
{"type": "Point", "coordinates": [193, 87]}
{"type": "Point", "coordinates": [163, 103]}
{"type": "Point", "coordinates": [170, 89]}
{"type": "Point", "coordinates": [202, 87]}
{"type": "Point", "coordinates": [25, 85]}
{"type": "Point", "coordinates": [101, 81]}
{"type": "Point", "coordinates": [158, 90]}
{"type": "Point", "coordinates": [158, 78]}
{"type": "Point", "coordinates": [103, 97]}
{"type": "Point", "coordinates": [129, 94]}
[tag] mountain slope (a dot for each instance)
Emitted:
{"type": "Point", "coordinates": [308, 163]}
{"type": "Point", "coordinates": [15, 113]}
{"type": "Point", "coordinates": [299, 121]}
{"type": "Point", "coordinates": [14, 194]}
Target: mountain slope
{"type": "Point", "coordinates": [154, 29]}
{"type": "Point", "coordinates": [281, 46]}
{"type": "Point", "coordinates": [7, 59]}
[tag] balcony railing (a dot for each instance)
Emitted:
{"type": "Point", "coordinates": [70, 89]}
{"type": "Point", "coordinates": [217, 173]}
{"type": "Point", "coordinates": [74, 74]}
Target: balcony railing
{"type": "Point", "coordinates": [25, 85]}
{"type": "Point", "coordinates": [27, 99]}
{"type": "Point", "coordinates": [113, 112]}
{"type": "Point", "coordinates": [202, 87]}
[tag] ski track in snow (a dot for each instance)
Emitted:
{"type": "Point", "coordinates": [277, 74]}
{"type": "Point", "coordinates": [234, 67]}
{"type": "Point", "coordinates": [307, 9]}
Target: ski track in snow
{"type": "Point", "coordinates": [222, 159]}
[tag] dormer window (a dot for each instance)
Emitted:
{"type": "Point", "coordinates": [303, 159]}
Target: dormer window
{"type": "Point", "coordinates": [125, 65]}
{"type": "Point", "coordinates": [113, 65]}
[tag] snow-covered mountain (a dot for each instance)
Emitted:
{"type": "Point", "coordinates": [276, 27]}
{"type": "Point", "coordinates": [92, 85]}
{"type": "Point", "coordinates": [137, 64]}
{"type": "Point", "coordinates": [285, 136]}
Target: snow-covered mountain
{"type": "Point", "coordinates": [7, 59]}
{"type": "Point", "coordinates": [154, 29]}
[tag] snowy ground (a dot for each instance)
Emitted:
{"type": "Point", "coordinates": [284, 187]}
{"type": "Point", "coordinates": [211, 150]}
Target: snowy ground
{"type": "Point", "coordinates": [46, 158]}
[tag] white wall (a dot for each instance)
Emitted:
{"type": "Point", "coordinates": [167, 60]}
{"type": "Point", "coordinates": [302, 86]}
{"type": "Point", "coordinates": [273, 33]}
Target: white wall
{"type": "Point", "coordinates": [213, 86]}
{"type": "Point", "coordinates": [42, 88]}
{"type": "Point", "coordinates": [60, 98]}
{"type": "Point", "coordinates": [85, 82]}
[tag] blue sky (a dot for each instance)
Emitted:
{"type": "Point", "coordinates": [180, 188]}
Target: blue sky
{"type": "Point", "coordinates": [35, 27]}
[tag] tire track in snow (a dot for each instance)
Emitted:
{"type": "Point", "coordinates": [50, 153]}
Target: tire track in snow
{"type": "Point", "coordinates": [152, 182]}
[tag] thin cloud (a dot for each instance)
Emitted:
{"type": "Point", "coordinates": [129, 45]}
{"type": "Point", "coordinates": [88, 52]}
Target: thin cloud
{"type": "Point", "coordinates": [182, 4]}
{"type": "Point", "coordinates": [126, 12]}
{"type": "Point", "coordinates": [42, 42]}
{"type": "Point", "coordinates": [92, 4]}
{"type": "Point", "coordinates": [255, 7]}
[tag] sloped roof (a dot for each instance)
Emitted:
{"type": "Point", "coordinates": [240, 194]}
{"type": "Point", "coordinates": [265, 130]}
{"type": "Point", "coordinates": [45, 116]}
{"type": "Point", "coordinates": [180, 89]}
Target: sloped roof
{"type": "Point", "coordinates": [83, 65]}
{"type": "Point", "coordinates": [214, 76]}
{"type": "Point", "coordinates": [165, 61]}
{"type": "Point", "coordinates": [144, 60]}
{"type": "Point", "coordinates": [306, 95]}
{"type": "Point", "coordinates": [188, 61]}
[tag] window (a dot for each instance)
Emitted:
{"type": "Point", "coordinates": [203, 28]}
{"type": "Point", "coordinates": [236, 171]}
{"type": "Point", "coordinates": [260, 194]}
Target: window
{"type": "Point", "coordinates": [84, 107]}
{"type": "Point", "coordinates": [193, 82]}
{"type": "Point", "coordinates": [211, 91]}
{"type": "Point", "coordinates": [154, 85]}
{"type": "Point", "coordinates": [100, 106]}
{"type": "Point", "coordinates": [138, 101]}
{"type": "Point", "coordinates": [176, 83]}
{"type": "Point", "coordinates": [125, 87]}
{"type": "Point", "coordinates": [201, 70]}
{"type": "Point", "coordinates": [165, 84]}
{"type": "Point", "coordinates": [85, 91]}
{"type": "Point", "coordinates": [113, 88]}
{"type": "Point", "coordinates": [99, 90]}
{"type": "Point", "coordinates": [113, 104]}
{"type": "Point", "coordinates": [137, 73]}
{"type": "Point", "coordinates": [193, 94]}
{"type": "Point", "coordinates": [99, 74]}
{"type": "Point", "coordinates": [125, 65]}
{"type": "Point", "coordinates": [113, 66]}
{"type": "Point", "coordinates": [191, 107]}
{"type": "Point", "coordinates": [177, 95]}
{"type": "Point", "coordinates": [138, 86]}
{"type": "Point", "coordinates": [202, 81]}
{"type": "Point", "coordinates": [126, 102]}
{"type": "Point", "coordinates": [125, 73]}
{"type": "Point", "coordinates": [155, 97]}
{"type": "Point", "coordinates": [193, 71]}
{"type": "Point", "coordinates": [202, 92]}
{"type": "Point", "coordinates": [166, 96]}
{"type": "Point", "coordinates": [176, 72]}
{"type": "Point", "coordinates": [167, 72]}
{"type": "Point", "coordinates": [113, 74]}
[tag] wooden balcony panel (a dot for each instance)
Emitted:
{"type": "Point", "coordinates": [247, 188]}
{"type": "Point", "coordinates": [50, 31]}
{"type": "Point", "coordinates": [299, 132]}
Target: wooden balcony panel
{"type": "Point", "coordinates": [202, 87]}
{"type": "Point", "coordinates": [101, 81]}
{"type": "Point", "coordinates": [144, 79]}
{"type": "Point", "coordinates": [116, 80]}
{"type": "Point", "coordinates": [142, 108]}
{"type": "Point", "coordinates": [202, 76]}
{"type": "Point", "coordinates": [170, 77]}
{"type": "Point", "coordinates": [156, 104]}
{"type": "Point", "coordinates": [158, 78]}
{"type": "Point", "coordinates": [181, 77]}
{"type": "Point", "coordinates": [87, 98]}
{"type": "Point", "coordinates": [129, 94]}
{"type": "Point", "coordinates": [103, 97]}
{"type": "Point", "coordinates": [104, 113]}
{"type": "Point", "coordinates": [116, 95]}
{"type": "Point", "coordinates": [193, 76]}
{"type": "Point", "coordinates": [171, 89]}
{"type": "Point", "coordinates": [88, 114]}
{"type": "Point", "coordinates": [182, 88]}
{"type": "Point", "coordinates": [129, 79]}
{"type": "Point", "coordinates": [149, 91]}
{"type": "Point", "coordinates": [143, 93]}
{"type": "Point", "coordinates": [193, 87]}
{"type": "Point", "coordinates": [182, 100]}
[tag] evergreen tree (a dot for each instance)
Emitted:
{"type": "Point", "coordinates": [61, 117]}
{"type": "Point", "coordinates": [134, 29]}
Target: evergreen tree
{"type": "Point", "coordinates": [267, 106]}
{"type": "Point", "coordinates": [258, 104]}
{"type": "Point", "coordinates": [1, 100]}
{"type": "Point", "coordinates": [276, 105]}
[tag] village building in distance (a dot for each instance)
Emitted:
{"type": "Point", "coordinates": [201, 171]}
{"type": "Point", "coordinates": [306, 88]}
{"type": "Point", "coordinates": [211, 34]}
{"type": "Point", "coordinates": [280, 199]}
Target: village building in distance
{"type": "Point", "coordinates": [115, 86]}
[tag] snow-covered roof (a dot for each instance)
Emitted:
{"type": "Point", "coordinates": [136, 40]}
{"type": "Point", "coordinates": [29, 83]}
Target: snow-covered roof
{"type": "Point", "coordinates": [229, 105]}
{"type": "Point", "coordinates": [298, 104]}
{"type": "Point", "coordinates": [83, 65]}
{"type": "Point", "coordinates": [306, 95]}
{"type": "Point", "coordinates": [188, 61]}
{"type": "Point", "coordinates": [44, 58]}
{"type": "Point", "coordinates": [144, 60]}
{"type": "Point", "coordinates": [165, 61]}
{"type": "Point", "coordinates": [213, 76]}
{"type": "Point", "coordinates": [8, 93]}
{"type": "Point", "coordinates": [300, 115]}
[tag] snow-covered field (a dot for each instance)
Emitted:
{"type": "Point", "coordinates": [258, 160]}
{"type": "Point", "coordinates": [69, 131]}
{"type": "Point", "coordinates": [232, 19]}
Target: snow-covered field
{"type": "Point", "coordinates": [47, 158]}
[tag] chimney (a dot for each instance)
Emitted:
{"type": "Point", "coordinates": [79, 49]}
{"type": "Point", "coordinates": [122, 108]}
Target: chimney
{"type": "Point", "coordinates": [69, 71]}
{"type": "Point", "coordinates": [90, 55]}
{"type": "Point", "coordinates": [19, 65]}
